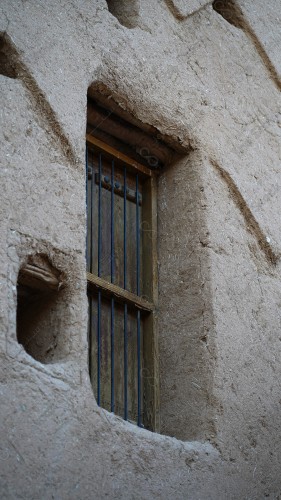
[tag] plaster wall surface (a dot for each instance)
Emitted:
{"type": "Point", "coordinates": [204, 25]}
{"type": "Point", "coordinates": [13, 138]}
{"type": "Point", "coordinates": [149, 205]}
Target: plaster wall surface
{"type": "Point", "coordinates": [214, 89]}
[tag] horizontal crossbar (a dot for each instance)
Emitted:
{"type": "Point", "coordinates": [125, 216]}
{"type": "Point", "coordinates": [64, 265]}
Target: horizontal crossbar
{"type": "Point", "coordinates": [118, 293]}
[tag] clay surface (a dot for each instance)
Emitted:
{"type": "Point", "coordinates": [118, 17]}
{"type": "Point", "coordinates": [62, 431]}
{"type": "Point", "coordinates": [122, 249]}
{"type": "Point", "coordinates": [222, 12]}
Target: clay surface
{"type": "Point", "coordinates": [212, 87]}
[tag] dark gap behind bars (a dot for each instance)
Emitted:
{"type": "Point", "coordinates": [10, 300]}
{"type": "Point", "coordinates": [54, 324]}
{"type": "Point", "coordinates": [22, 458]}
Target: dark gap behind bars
{"type": "Point", "coordinates": [114, 249]}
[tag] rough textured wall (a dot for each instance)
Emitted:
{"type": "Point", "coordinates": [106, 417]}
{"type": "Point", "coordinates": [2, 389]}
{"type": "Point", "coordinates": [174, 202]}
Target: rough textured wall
{"type": "Point", "coordinates": [211, 83]}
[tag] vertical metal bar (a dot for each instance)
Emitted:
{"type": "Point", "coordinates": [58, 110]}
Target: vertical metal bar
{"type": "Point", "coordinates": [112, 356]}
{"type": "Point", "coordinates": [90, 335]}
{"type": "Point", "coordinates": [125, 229]}
{"type": "Point", "coordinates": [138, 234]}
{"type": "Point", "coordinates": [125, 363]}
{"type": "Point", "coordinates": [100, 217]}
{"type": "Point", "coordinates": [99, 293]}
{"type": "Point", "coordinates": [138, 312]}
{"type": "Point", "coordinates": [112, 281]}
{"type": "Point", "coordinates": [112, 222]}
{"type": "Point", "coordinates": [139, 365]}
{"type": "Point", "coordinates": [88, 208]}
{"type": "Point", "coordinates": [125, 305]}
{"type": "Point", "coordinates": [99, 349]}
{"type": "Point", "coordinates": [91, 207]}
{"type": "Point", "coordinates": [92, 214]}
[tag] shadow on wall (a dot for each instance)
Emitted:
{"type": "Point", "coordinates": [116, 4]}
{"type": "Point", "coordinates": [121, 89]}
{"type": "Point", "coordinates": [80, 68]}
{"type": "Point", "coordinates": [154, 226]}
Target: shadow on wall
{"type": "Point", "coordinates": [126, 12]}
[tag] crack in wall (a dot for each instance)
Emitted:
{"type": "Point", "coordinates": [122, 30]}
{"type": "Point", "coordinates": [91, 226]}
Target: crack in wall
{"type": "Point", "coordinates": [232, 13]}
{"type": "Point", "coordinates": [251, 223]}
{"type": "Point", "coordinates": [16, 68]}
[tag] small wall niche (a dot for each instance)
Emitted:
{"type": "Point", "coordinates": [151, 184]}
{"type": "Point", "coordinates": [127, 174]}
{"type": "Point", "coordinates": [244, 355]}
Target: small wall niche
{"type": "Point", "coordinates": [126, 12]}
{"type": "Point", "coordinates": [229, 11]}
{"type": "Point", "coordinates": [39, 308]}
{"type": "Point", "coordinates": [8, 62]}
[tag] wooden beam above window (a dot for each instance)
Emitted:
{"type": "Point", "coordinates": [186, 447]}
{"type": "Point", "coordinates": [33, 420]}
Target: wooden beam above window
{"type": "Point", "coordinates": [134, 165]}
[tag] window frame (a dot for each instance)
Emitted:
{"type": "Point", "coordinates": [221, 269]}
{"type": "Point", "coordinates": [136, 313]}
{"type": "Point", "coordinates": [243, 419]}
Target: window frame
{"type": "Point", "coordinates": [151, 395]}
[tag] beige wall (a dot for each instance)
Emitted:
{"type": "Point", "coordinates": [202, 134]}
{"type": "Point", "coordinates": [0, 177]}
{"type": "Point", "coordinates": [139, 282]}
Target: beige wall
{"type": "Point", "coordinates": [215, 89]}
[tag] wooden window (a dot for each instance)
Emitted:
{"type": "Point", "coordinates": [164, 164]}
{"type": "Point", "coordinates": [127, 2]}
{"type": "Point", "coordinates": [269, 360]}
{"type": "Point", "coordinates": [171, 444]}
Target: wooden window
{"type": "Point", "coordinates": [123, 162]}
{"type": "Point", "coordinates": [124, 159]}
{"type": "Point", "coordinates": [122, 283]}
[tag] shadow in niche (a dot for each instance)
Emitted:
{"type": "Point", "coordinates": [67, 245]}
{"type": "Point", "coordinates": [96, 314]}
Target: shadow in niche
{"type": "Point", "coordinates": [40, 305]}
{"type": "Point", "coordinates": [8, 62]}
{"type": "Point", "coordinates": [126, 12]}
{"type": "Point", "coordinates": [230, 12]}
{"type": "Point", "coordinates": [33, 311]}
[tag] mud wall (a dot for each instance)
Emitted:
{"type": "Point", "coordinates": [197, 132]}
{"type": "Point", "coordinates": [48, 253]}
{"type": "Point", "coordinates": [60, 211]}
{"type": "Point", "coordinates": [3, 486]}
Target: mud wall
{"type": "Point", "coordinates": [208, 78]}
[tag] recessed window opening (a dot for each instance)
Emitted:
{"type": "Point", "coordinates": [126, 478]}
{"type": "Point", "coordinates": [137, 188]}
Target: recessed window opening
{"type": "Point", "coordinates": [123, 162]}
{"type": "Point", "coordinates": [38, 308]}
{"type": "Point", "coordinates": [126, 12]}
